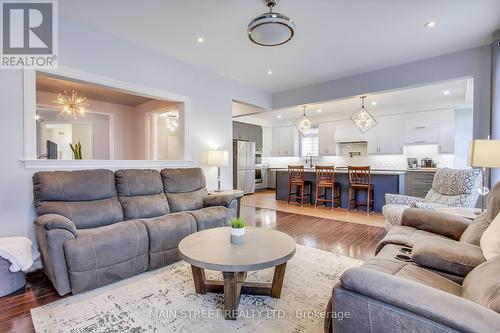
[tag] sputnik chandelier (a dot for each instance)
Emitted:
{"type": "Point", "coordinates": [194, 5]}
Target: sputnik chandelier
{"type": "Point", "coordinates": [72, 104]}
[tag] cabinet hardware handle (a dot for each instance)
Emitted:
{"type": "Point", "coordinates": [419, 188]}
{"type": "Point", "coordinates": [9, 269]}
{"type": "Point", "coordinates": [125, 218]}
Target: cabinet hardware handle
{"type": "Point", "coordinates": [420, 127]}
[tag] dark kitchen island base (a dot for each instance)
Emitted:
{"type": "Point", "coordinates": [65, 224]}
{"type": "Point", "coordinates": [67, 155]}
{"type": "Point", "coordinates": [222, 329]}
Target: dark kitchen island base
{"type": "Point", "coordinates": [383, 182]}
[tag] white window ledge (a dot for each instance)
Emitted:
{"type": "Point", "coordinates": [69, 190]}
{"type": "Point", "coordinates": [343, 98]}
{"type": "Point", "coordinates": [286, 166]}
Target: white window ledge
{"type": "Point", "coordinates": [102, 164]}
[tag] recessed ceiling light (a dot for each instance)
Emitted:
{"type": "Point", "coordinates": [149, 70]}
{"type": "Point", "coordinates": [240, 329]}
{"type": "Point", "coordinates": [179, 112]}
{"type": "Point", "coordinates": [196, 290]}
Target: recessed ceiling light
{"type": "Point", "coordinates": [279, 116]}
{"type": "Point", "coordinates": [374, 103]}
{"type": "Point", "coordinates": [269, 72]}
{"type": "Point", "coordinates": [446, 92]}
{"type": "Point", "coordinates": [430, 25]}
{"type": "Point", "coordinates": [200, 40]}
{"type": "Point", "coordinates": [319, 110]}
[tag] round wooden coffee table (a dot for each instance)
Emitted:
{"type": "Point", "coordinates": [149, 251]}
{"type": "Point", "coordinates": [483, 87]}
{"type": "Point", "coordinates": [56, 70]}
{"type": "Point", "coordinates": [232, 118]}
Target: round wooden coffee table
{"type": "Point", "coordinates": [211, 249]}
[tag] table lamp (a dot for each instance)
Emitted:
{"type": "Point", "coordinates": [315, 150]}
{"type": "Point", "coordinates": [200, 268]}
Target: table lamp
{"type": "Point", "coordinates": [484, 154]}
{"type": "Point", "coordinates": [218, 158]}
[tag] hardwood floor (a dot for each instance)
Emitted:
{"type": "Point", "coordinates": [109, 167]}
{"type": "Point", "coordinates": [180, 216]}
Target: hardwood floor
{"type": "Point", "coordinates": [357, 240]}
{"type": "Point", "coordinates": [266, 199]}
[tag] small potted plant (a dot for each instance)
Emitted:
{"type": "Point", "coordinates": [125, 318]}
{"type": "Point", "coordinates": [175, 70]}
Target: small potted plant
{"type": "Point", "coordinates": [237, 225]}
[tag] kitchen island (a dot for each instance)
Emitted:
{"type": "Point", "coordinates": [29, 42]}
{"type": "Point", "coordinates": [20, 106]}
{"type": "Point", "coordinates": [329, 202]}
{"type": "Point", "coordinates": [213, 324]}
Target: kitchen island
{"type": "Point", "coordinates": [384, 181]}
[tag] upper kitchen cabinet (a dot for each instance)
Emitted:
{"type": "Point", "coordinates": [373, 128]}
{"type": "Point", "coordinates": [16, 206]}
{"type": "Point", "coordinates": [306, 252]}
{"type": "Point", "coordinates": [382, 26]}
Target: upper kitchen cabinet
{"type": "Point", "coordinates": [327, 145]}
{"type": "Point", "coordinates": [285, 141]}
{"type": "Point", "coordinates": [267, 141]}
{"type": "Point", "coordinates": [255, 135]}
{"type": "Point", "coordinates": [240, 131]}
{"type": "Point", "coordinates": [345, 131]}
{"type": "Point", "coordinates": [446, 131]}
{"type": "Point", "coordinates": [387, 137]}
{"type": "Point", "coordinates": [421, 128]}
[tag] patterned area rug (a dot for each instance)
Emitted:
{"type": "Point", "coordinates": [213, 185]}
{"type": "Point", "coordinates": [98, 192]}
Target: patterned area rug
{"type": "Point", "coordinates": [164, 301]}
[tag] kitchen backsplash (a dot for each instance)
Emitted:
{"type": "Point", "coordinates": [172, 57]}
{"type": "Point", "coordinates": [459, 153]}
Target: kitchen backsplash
{"type": "Point", "coordinates": [385, 162]}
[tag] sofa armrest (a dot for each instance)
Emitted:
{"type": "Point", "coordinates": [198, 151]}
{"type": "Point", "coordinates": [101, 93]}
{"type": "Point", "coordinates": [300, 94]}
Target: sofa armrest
{"type": "Point", "coordinates": [448, 225]}
{"type": "Point", "coordinates": [218, 199]}
{"type": "Point", "coordinates": [55, 221]}
{"type": "Point", "coordinates": [447, 255]}
{"type": "Point", "coordinates": [399, 199]}
{"type": "Point", "coordinates": [436, 305]}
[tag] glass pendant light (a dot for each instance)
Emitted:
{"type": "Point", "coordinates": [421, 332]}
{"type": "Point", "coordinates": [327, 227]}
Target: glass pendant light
{"type": "Point", "coordinates": [362, 119]}
{"type": "Point", "coordinates": [304, 123]}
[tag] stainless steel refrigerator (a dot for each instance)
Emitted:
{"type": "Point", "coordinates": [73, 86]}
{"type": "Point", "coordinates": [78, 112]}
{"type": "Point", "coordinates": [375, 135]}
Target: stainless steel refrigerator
{"type": "Point", "coordinates": [244, 166]}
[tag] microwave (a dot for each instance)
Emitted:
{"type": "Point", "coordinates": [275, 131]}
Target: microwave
{"type": "Point", "coordinates": [258, 158]}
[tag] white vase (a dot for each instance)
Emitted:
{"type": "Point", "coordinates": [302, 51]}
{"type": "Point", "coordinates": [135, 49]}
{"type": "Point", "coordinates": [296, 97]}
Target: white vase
{"type": "Point", "coordinates": [237, 235]}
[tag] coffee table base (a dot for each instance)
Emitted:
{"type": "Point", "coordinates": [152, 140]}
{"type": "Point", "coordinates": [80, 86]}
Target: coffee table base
{"type": "Point", "coordinates": [234, 284]}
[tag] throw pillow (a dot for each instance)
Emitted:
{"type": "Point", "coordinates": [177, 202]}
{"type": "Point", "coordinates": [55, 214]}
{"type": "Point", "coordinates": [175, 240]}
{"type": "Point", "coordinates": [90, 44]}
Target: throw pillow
{"type": "Point", "coordinates": [490, 240]}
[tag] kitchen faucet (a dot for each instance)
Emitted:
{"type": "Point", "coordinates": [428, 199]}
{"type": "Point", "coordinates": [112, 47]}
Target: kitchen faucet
{"type": "Point", "coordinates": [309, 155]}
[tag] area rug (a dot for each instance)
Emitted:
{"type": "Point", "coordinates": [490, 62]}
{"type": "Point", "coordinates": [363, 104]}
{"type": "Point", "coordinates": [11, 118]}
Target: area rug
{"type": "Point", "coordinates": [164, 301]}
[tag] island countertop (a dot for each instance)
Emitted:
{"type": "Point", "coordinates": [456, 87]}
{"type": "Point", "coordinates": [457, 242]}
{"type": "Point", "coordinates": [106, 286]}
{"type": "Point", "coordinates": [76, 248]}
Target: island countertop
{"type": "Point", "coordinates": [344, 170]}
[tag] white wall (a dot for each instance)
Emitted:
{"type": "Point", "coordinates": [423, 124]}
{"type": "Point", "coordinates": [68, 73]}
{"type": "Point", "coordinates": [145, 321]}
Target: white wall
{"type": "Point", "coordinates": [88, 50]}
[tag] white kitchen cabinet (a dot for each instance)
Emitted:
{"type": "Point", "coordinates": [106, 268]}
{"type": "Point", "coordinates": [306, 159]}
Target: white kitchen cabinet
{"type": "Point", "coordinates": [446, 131]}
{"type": "Point", "coordinates": [421, 128]}
{"type": "Point", "coordinates": [285, 141]}
{"type": "Point", "coordinates": [326, 136]}
{"type": "Point", "coordinates": [387, 137]}
{"type": "Point", "coordinates": [345, 131]}
{"type": "Point", "coordinates": [267, 141]}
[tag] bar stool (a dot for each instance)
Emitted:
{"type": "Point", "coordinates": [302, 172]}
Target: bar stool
{"type": "Point", "coordinates": [360, 179]}
{"type": "Point", "coordinates": [296, 177]}
{"type": "Point", "coordinates": [325, 178]}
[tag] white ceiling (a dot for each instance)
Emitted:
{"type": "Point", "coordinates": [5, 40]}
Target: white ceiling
{"type": "Point", "coordinates": [335, 38]}
{"type": "Point", "coordinates": [425, 98]}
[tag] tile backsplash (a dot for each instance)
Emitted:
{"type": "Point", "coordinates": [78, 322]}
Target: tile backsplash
{"type": "Point", "coordinates": [385, 162]}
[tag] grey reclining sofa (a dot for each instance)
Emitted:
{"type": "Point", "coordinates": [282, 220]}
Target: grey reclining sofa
{"type": "Point", "coordinates": [445, 286]}
{"type": "Point", "coordinates": [96, 227]}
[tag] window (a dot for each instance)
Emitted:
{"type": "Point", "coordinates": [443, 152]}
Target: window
{"type": "Point", "coordinates": [309, 144]}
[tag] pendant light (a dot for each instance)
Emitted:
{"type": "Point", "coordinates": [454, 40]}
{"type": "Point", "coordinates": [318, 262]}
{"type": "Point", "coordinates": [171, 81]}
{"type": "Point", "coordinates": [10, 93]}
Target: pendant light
{"type": "Point", "coordinates": [72, 105]}
{"type": "Point", "coordinates": [304, 123]}
{"type": "Point", "coordinates": [362, 119]}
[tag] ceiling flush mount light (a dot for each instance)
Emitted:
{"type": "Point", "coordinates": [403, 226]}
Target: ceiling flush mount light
{"type": "Point", "coordinates": [319, 110]}
{"type": "Point", "coordinates": [374, 103]}
{"type": "Point", "coordinates": [362, 119]}
{"type": "Point", "coordinates": [446, 92]}
{"type": "Point", "coordinates": [72, 105]}
{"type": "Point", "coordinates": [304, 123]}
{"type": "Point", "coordinates": [279, 116]}
{"type": "Point", "coordinates": [200, 40]}
{"type": "Point", "coordinates": [430, 25]}
{"type": "Point", "coordinates": [269, 72]}
{"type": "Point", "coordinates": [271, 29]}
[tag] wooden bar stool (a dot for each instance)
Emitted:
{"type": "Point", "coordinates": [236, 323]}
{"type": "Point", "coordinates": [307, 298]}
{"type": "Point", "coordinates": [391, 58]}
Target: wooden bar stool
{"type": "Point", "coordinates": [296, 177]}
{"type": "Point", "coordinates": [325, 178]}
{"type": "Point", "coordinates": [360, 179]}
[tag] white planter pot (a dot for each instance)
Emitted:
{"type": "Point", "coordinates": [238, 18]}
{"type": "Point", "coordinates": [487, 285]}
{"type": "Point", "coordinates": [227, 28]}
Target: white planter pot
{"type": "Point", "coordinates": [237, 235]}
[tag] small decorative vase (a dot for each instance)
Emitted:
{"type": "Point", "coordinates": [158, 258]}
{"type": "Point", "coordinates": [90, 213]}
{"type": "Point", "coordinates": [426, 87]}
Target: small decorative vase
{"type": "Point", "coordinates": [237, 235]}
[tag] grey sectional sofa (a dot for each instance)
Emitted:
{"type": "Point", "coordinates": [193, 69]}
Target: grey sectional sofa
{"type": "Point", "coordinates": [95, 227]}
{"type": "Point", "coordinates": [446, 286]}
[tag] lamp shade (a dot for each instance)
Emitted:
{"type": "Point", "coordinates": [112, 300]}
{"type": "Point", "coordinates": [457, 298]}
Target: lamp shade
{"type": "Point", "coordinates": [218, 157]}
{"type": "Point", "coordinates": [484, 153]}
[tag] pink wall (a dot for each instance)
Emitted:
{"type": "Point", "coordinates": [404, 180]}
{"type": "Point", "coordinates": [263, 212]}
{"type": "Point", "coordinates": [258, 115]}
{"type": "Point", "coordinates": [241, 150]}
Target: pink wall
{"type": "Point", "coordinates": [128, 123]}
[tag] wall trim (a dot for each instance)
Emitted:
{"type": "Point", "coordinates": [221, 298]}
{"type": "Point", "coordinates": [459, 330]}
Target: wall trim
{"type": "Point", "coordinates": [29, 86]}
{"type": "Point", "coordinates": [99, 164]}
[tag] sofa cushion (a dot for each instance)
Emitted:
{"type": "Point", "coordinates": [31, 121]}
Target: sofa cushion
{"type": "Point", "coordinates": [210, 217]}
{"type": "Point", "coordinates": [165, 233]}
{"type": "Point", "coordinates": [87, 197]}
{"type": "Point", "coordinates": [474, 232]}
{"type": "Point", "coordinates": [428, 278]}
{"type": "Point", "coordinates": [181, 202]}
{"type": "Point", "coordinates": [490, 240]}
{"type": "Point", "coordinates": [141, 193]}
{"type": "Point", "coordinates": [482, 285]}
{"type": "Point", "coordinates": [183, 180]}
{"type": "Point", "coordinates": [447, 255]}
{"type": "Point", "coordinates": [403, 235]}
{"type": "Point", "coordinates": [103, 255]}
